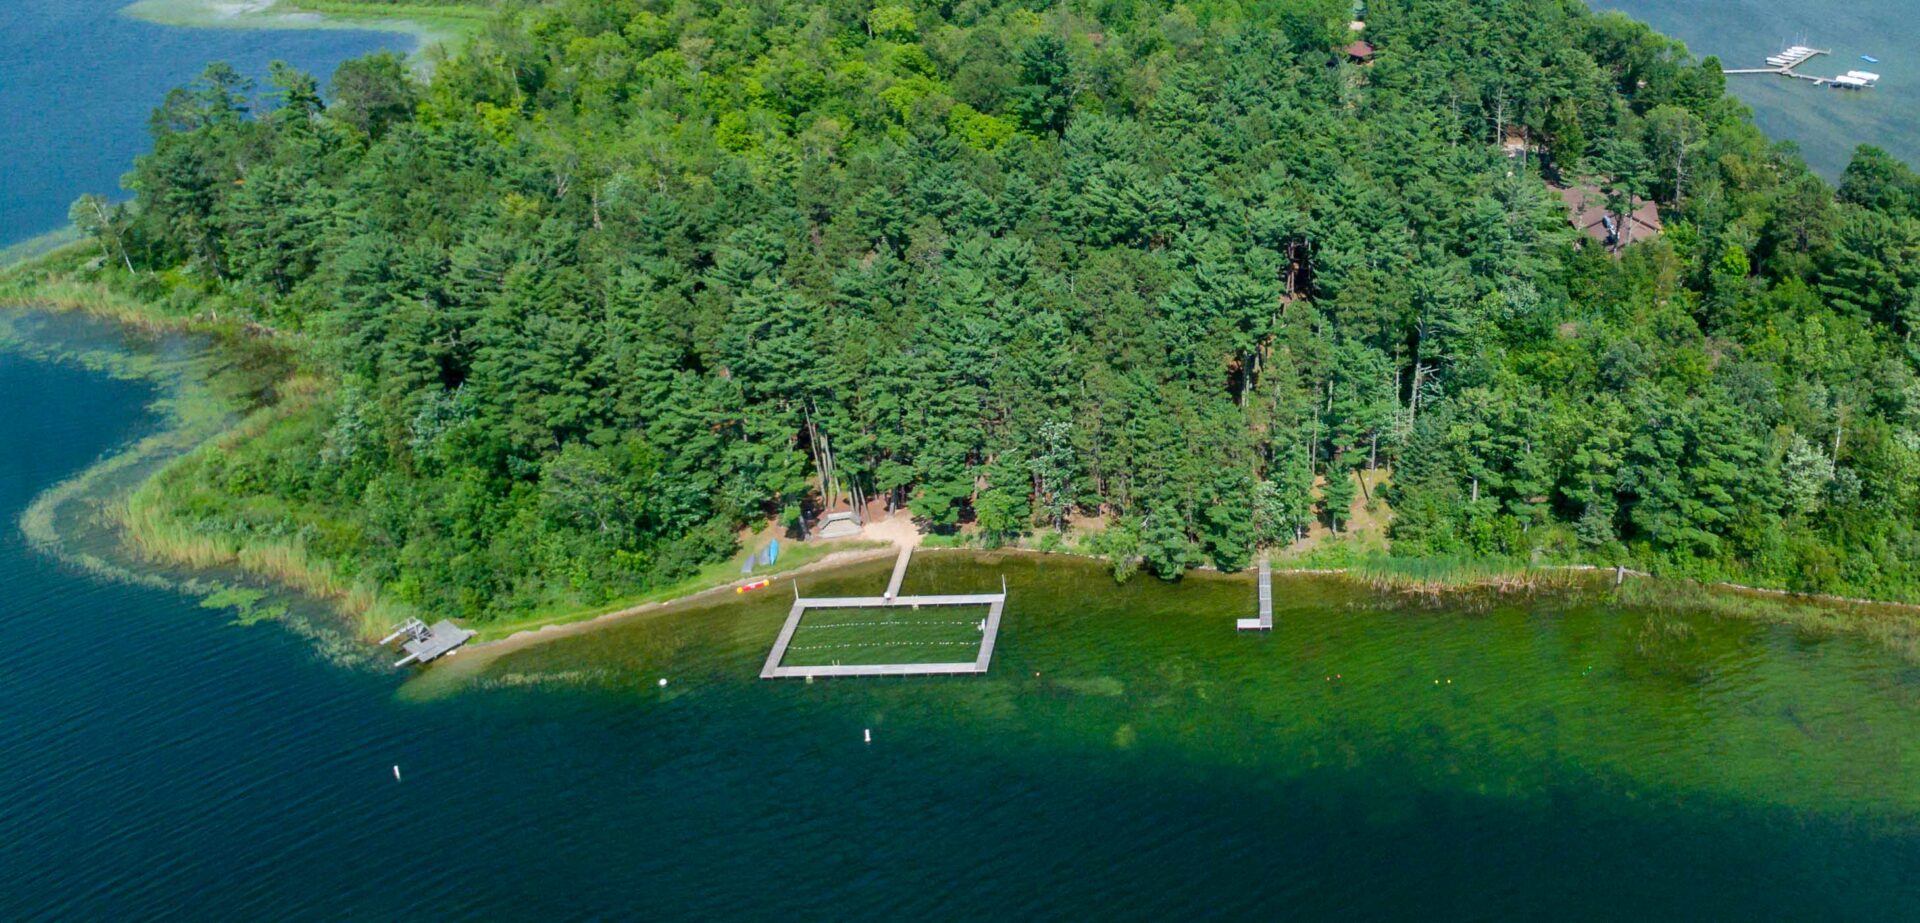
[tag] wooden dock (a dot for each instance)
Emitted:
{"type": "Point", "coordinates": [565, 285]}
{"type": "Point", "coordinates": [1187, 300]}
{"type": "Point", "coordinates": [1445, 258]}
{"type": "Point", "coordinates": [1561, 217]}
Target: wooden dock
{"type": "Point", "coordinates": [899, 571]}
{"type": "Point", "coordinates": [1786, 63]}
{"type": "Point", "coordinates": [1265, 620]}
{"type": "Point", "coordinates": [425, 643]}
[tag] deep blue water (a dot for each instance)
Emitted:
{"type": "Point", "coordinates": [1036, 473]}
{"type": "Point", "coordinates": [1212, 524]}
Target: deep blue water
{"type": "Point", "coordinates": [77, 81]}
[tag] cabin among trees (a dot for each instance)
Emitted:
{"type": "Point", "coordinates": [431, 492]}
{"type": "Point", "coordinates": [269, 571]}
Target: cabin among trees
{"type": "Point", "coordinates": [1591, 212]}
{"type": "Point", "coordinates": [1360, 51]}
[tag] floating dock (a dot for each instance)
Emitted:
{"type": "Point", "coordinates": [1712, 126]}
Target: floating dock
{"type": "Point", "coordinates": [1786, 63]}
{"type": "Point", "coordinates": [423, 643]}
{"type": "Point", "coordinates": [1265, 620]}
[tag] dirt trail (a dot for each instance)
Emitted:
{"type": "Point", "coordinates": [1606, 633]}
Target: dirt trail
{"type": "Point", "coordinates": [897, 531]}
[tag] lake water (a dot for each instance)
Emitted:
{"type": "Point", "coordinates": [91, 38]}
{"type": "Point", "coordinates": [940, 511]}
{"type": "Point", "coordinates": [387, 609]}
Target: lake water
{"type": "Point", "coordinates": [1827, 123]}
{"type": "Point", "coordinates": [1130, 755]}
{"type": "Point", "coordinates": [77, 82]}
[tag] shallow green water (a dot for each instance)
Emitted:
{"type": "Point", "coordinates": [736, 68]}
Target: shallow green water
{"type": "Point", "coordinates": [1826, 123]}
{"type": "Point", "coordinates": [879, 635]}
{"type": "Point", "coordinates": [1130, 746]}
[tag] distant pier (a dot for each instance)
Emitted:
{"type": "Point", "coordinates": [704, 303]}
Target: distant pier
{"type": "Point", "coordinates": [1787, 62]}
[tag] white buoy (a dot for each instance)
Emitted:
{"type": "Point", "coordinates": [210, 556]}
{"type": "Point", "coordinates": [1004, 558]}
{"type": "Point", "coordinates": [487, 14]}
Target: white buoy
{"type": "Point", "coordinates": [663, 682]}
{"type": "Point", "coordinates": [396, 773]}
{"type": "Point", "coordinates": [869, 735]}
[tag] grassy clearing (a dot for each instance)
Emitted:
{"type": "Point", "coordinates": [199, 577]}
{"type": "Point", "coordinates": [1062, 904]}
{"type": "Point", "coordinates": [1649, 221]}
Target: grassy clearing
{"type": "Point", "coordinates": [712, 576]}
{"type": "Point", "coordinates": [889, 634]}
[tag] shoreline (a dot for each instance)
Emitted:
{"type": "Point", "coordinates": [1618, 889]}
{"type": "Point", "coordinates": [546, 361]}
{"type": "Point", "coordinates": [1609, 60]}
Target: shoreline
{"type": "Point", "coordinates": [1784, 606]}
{"type": "Point", "coordinates": [430, 26]}
{"type": "Point", "coordinates": [57, 292]}
{"type": "Point", "coordinates": [552, 631]}
{"type": "Point", "coordinates": [66, 296]}
{"type": "Point", "coordinates": [363, 612]}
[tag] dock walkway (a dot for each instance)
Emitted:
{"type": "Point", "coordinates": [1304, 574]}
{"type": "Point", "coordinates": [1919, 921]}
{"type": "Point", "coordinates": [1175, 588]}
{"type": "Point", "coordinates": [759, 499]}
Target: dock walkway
{"type": "Point", "coordinates": [1265, 620]}
{"type": "Point", "coordinates": [899, 571]}
{"type": "Point", "coordinates": [1786, 63]}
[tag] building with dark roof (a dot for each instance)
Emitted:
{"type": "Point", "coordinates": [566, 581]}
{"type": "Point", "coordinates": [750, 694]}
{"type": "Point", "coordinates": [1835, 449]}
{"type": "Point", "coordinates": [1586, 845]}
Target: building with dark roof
{"type": "Point", "coordinates": [1587, 211]}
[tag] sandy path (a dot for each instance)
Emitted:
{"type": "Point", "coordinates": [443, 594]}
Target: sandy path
{"type": "Point", "coordinates": [896, 531]}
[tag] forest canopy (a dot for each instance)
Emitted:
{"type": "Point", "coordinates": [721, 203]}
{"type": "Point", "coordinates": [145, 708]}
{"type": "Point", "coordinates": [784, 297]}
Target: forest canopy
{"type": "Point", "coordinates": [627, 275]}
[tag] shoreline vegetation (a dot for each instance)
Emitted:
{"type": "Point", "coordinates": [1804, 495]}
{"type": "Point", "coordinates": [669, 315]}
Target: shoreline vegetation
{"type": "Point", "coordinates": [444, 25]}
{"type": "Point", "coordinates": [388, 350]}
{"type": "Point", "coordinates": [151, 512]}
{"type": "Point", "coordinates": [149, 518]}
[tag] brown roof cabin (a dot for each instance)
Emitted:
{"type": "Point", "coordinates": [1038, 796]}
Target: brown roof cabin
{"type": "Point", "coordinates": [1360, 52]}
{"type": "Point", "coordinates": [1587, 212]}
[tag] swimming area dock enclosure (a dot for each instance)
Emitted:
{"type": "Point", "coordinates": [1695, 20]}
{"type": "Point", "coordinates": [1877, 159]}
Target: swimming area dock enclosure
{"type": "Point", "coordinates": [1265, 620]}
{"type": "Point", "coordinates": [990, 630]}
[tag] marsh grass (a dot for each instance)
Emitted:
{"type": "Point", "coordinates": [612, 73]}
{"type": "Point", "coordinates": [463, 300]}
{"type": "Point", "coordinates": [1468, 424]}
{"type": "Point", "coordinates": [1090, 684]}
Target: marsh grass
{"type": "Point", "coordinates": [1893, 627]}
{"type": "Point", "coordinates": [180, 517]}
{"type": "Point", "coordinates": [221, 386]}
{"type": "Point", "coordinates": [429, 24]}
{"type": "Point", "coordinates": [1438, 576]}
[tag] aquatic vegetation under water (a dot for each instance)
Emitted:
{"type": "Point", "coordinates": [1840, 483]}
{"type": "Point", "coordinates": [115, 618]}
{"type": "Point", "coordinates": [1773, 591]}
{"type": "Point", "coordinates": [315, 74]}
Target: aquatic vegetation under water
{"type": "Point", "coordinates": [1517, 698]}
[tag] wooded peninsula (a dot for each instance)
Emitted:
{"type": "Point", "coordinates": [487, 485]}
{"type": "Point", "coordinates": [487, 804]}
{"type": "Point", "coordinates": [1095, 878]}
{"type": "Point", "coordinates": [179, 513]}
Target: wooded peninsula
{"type": "Point", "coordinates": [1168, 283]}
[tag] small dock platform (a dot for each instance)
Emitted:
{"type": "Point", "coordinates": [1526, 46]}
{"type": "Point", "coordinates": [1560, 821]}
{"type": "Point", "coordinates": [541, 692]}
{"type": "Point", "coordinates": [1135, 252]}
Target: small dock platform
{"type": "Point", "coordinates": [1264, 622]}
{"type": "Point", "coordinates": [424, 643]}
